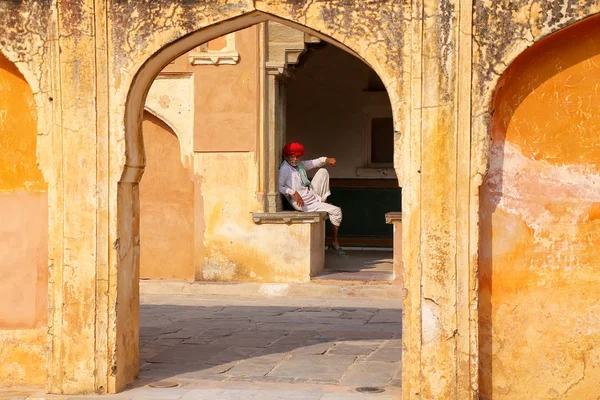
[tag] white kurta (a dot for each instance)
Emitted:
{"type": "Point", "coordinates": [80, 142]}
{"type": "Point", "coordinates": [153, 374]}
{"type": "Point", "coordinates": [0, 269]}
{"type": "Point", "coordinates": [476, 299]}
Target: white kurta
{"type": "Point", "coordinates": [313, 196]}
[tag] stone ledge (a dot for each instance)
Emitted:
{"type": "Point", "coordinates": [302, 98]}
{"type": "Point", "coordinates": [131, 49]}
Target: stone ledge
{"type": "Point", "coordinates": [392, 217]}
{"type": "Point", "coordinates": [289, 217]}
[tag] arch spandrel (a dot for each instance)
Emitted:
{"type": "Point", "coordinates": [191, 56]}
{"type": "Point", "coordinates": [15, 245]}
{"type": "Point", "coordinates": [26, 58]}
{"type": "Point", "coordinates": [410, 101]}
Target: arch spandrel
{"type": "Point", "coordinates": [24, 40]}
{"type": "Point", "coordinates": [500, 35]}
{"type": "Point", "coordinates": [538, 201]}
{"type": "Point", "coordinates": [372, 32]}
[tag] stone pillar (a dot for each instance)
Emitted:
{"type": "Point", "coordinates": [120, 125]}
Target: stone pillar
{"type": "Point", "coordinates": [78, 329]}
{"type": "Point", "coordinates": [395, 218]}
{"type": "Point", "coordinates": [440, 310]}
{"type": "Point", "coordinates": [276, 102]}
{"type": "Point", "coordinates": [282, 46]}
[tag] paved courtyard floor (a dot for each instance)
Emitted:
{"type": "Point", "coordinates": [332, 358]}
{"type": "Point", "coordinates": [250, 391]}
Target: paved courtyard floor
{"type": "Point", "coordinates": [359, 265]}
{"type": "Point", "coordinates": [227, 347]}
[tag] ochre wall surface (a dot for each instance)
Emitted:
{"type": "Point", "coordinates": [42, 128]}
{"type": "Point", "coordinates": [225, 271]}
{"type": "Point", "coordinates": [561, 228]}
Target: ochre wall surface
{"type": "Point", "coordinates": [89, 64]}
{"type": "Point", "coordinates": [23, 208]}
{"type": "Point", "coordinates": [23, 236]}
{"type": "Point", "coordinates": [167, 207]}
{"type": "Point", "coordinates": [235, 248]}
{"type": "Point", "coordinates": [196, 221]}
{"type": "Point", "coordinates": [540, 225]}
{"type": "Point", "coordinates": [226, 97]}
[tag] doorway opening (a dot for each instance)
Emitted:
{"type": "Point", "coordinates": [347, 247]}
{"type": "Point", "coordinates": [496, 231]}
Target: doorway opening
{"type": "Point", "coordinates": [215, 122]}
{"type": "Point", "coordinates": [337, 106]}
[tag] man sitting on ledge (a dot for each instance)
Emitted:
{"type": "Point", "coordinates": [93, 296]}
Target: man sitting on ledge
{"type": "Point", "coordinates": [305, 195]}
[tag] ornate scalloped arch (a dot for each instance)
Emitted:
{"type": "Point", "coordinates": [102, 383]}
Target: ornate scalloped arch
{"type": "Point", "coordinates": [165, 45]}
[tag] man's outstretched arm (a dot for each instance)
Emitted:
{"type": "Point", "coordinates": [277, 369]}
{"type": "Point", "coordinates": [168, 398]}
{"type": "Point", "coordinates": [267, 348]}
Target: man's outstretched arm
{"type": "Point", "coordinates": [318, 163]}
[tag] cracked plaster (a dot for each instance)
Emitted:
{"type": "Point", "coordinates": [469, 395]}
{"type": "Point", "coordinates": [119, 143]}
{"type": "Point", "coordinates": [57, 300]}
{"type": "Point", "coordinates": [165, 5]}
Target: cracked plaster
{"type": "Point", "coordinates": [83, 170]}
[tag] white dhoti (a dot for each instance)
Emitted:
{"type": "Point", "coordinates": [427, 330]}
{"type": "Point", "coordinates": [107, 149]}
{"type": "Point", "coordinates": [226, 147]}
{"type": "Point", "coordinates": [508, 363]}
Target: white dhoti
{"type": "Point", "coordinates": [320, 186]}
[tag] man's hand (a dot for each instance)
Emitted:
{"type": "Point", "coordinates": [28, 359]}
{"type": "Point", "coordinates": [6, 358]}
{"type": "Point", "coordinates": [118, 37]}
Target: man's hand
{"type": "Point", "coordinates": [299, 200]}
{"type": "Point", "coordinates": [331, 162]}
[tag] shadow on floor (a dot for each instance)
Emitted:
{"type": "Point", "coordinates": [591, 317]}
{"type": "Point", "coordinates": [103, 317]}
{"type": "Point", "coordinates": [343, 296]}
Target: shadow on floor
{"type": "Point", "coordinates": [340, 346]}
{"type": "Point", "coordinates": [359, 265]}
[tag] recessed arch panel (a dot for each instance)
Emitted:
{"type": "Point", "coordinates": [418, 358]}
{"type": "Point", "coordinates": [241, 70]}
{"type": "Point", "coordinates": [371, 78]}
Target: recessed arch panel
{"type": "Point", "coordinates": [539, 221]}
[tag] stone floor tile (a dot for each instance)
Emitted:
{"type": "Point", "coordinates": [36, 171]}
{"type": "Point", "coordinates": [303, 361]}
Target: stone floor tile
{"type": "Point", "coordinates": [296, 338]}
{"type": "Point", "coordinates": [279, 326]}
{"type": "Point", "coordinates": [232, 354]}
{"type": "Point", "coordinates": [275, 349]}
{"type": "Point", "coordinates": [288, 395]}
{"type": "Point", "coordinates": [369, 373]}
{"type": "Point", "coordinates": [387, 354]}
{"type": "Point", "coordinates": [354, 335]}
{"type": "Point", "coordinates": [183, 333]}
{"type": "Point", "coordinates": [253, 338]}
{"type": "Point", "coordinates": [188, 354]}
{"type": "Point", "coordinates": [387, 316]}
{"type": "Point", "coordinates": [156, 331]}
{"type": "Point", "coordinates": [306, 367]}
{"type": "Point", "coordinates": [206, 371]}
{"type": "Point", "coordinates": [211, 335]}
{"type": "Point", "coordinates": [256, 366]}
{"type": "Point", "coordinates": [277, 379]}
{"type": "Point", "coordinates": [236, 311]}
{"type": "Point", "coordinates": [360, 396]}
{"type": "Point", "coordinates": [353, 348]}
{"type": "Point", "coordinates": [385, 326]}
{"type": "Point", "coordinates": [357, 315]}
{"type": "Point", "coordinates": [220, 394]}
{"type": "Point", "coordinates": [314, 347]}
{"type": "Point", "coordinates": [398, 371]}
{"type": "Point", "coordinates": [316, 312]}
{"type": "Point", "coordinates": [147, 393]}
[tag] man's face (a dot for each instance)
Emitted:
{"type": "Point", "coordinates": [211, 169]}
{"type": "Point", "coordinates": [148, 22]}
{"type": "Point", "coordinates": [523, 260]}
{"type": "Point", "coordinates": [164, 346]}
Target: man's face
{"type": "Point", "coordinates": [292, 160]}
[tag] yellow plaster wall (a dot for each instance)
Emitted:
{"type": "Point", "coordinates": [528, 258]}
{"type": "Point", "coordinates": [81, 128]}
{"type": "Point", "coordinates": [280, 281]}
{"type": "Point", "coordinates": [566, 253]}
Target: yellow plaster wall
{"type": "Point", "coordinates": [23, 357]}
{"type": "Point", "coordinates": [23, 236]}
{"type": "Point", "coordinates": [225, 97]}
{"type": "Point", "coordinates": [167, 207]}
{"type": "Point", "coordinates": [234, 248]}
{"type": "Point", "coordinates": [540, 225]}
{"type": "Point", "coordinates": [203, 229]}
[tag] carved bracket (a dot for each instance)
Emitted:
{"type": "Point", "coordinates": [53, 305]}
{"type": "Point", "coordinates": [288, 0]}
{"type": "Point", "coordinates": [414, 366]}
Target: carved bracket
{"type": "Point", "coordinates": [214, 58]}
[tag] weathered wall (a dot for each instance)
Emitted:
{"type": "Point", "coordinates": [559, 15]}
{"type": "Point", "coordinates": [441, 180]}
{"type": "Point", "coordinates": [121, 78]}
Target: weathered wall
{"type": "Point", "coordinates": [89, 63]}
{"type": "Point", "coordinates": [234, 247]}
{"type": "Point", "coordinates": [225, 97]}
{"type": "Point", "coordinates": [23, 208]}
{"type": "Point", "coordinates": [203, 211]}
{"type": "Point", "coordinates": [214, 238]}
{"type": "Point", "coordinates": [166, 207]}
{"type": "Point", "coordinates": [171, 99]}
{"type": "Point", "coordinates": [89, 81]}
{"type": "Point", "coordinates": [540, 226]}
{"type": "Point", "coordinates": [23, 354]}
{"type": "Point", "coordinates": [23, 235]}
{"type": "Point", "coordinates": [329, 108]}
{"type": "Point", "coordinates": [225, 121]}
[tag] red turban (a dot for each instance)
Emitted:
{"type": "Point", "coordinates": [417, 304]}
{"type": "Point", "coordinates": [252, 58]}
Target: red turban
{"type": "Point", "coordinates": [293, 149]}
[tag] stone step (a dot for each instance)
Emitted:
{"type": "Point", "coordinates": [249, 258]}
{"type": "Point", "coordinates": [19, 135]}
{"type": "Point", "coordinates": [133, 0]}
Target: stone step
{"type": "Point", "coordinates": [316, 288]}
